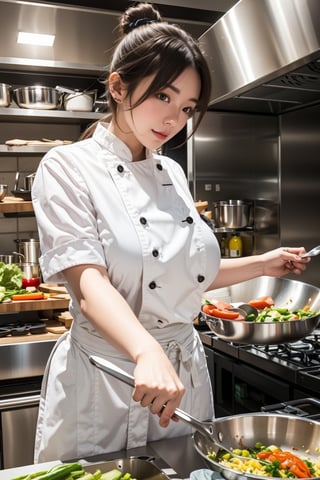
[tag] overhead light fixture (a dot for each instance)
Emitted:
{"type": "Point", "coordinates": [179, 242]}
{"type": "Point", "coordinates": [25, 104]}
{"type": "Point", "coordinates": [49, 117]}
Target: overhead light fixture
{"type": "Point", "coordinates": [41, 39]}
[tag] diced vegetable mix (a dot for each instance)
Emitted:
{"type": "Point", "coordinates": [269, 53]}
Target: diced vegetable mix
{"type": "Point", "coordinates": [74, 471]}
{"type": "Point", "coordinates": [269, 461]}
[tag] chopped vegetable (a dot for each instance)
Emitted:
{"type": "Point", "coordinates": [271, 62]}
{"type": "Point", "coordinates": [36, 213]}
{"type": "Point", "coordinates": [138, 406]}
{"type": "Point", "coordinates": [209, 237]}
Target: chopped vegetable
{"type": "Point", "coordinates": [269, 461]}
{"type": "Point", "coordinates": [74, 471]}
{"type": "Point", "coordinates": [28, 296]}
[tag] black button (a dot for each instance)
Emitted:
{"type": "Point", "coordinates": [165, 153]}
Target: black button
{"type": "Point", "coordinates": [120, 168]}
{"type": "Point", "coordinates": [188, 220]}
{"type": "Point", "coordinates": [201, 278]}
{"type": "Point", "coordinates": [155, 252]}
{"type": "Point", "coordinates": [159, 166]}
{"type": "Point", "coordinates": [152, 285]}
{"type": "Point", "coordinates": [143, 221]}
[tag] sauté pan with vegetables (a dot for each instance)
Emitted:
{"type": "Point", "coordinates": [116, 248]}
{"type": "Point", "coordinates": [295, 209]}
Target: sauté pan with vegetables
{"type": "Point", "coordinates": [267, 311]}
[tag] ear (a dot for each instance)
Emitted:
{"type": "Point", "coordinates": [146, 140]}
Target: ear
{"type": "Point", "coordinates": [116, 87]}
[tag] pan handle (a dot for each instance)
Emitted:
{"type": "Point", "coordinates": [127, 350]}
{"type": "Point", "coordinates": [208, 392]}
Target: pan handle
{"type": "Point", "coordinates": [206, 428]}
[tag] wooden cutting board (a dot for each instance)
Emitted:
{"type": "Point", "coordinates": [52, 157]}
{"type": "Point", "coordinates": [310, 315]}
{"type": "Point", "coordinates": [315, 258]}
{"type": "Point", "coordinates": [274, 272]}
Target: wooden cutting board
{"type": "Point", "coordinates": [53, 288]}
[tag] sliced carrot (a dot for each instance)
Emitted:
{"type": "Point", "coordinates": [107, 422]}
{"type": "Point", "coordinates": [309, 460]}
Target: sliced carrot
{"type": "Point", "coordinates": [28, 296]}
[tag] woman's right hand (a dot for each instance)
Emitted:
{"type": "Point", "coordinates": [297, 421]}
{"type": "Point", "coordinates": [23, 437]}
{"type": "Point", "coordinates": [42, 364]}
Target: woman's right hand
{"type": "Point", "coordinates": [158, 385]}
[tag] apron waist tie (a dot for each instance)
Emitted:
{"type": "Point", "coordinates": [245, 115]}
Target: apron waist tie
{"type": "Point", "coordinates": [185, 364]}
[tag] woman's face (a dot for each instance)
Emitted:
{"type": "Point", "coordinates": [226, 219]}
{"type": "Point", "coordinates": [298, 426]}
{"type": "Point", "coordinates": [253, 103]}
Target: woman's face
{"type": "Point", "coordinates": [162, 115]}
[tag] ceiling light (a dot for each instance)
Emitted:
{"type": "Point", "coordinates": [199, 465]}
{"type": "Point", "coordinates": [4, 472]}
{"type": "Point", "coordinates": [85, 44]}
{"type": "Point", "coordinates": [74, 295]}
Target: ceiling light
{"type": "Point", "coordinates": [41, 39]}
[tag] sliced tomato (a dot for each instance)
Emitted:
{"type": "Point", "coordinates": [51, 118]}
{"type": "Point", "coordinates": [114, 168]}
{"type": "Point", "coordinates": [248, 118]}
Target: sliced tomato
{"type": "Point", "coordinates": [207, 308]}
{"type": "Point", "coordinates": [219, 303]}
{"type": "Point", "coordinates": [225, 313]}
{"type": "Point", "coordinates": [262, 302]}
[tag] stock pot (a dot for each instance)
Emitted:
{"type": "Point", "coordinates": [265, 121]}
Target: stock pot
{"type": "Point", "coordinates": [29, 250]}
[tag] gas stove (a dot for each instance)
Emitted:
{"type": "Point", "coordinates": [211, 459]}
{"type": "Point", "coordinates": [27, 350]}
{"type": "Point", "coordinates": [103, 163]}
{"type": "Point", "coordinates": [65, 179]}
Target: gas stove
{"type": "Point", "coordinates": [296, 365]}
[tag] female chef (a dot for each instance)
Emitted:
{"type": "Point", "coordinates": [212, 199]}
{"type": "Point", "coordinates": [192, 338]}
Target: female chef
{"type": "Point", "coordinates": [119, 228]}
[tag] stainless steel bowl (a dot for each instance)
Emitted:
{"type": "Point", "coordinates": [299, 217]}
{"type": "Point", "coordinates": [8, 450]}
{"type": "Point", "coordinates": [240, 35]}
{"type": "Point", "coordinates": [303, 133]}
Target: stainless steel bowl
{"type": "Point", "coordinates": [37, 97]}
{"type": "Point", "coordinates": [3, 191]}
{"type": "Point", "coordinates": [5, 95]}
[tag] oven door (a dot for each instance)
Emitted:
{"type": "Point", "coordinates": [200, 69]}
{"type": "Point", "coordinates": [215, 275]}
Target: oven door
{"type": "Point", "coordinates": [239, 388]}
{"type": "Point", "coordinates": [18, 427]}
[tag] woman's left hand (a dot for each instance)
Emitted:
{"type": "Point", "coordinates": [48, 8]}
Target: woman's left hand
{"type": "Point", "coordinates": [284, 260]}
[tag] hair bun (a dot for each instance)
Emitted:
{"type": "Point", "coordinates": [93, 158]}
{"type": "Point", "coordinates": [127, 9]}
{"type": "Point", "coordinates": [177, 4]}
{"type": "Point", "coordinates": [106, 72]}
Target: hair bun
{"type": "Point", "coordinates": [140, 14]}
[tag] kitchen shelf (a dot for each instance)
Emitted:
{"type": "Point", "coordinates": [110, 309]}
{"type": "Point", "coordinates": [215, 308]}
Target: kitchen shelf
{"type": "Point", "coordinates": [11, 205]}
{"type": "Point", "coordinates": [230, 230]}
{"type": "Point", "coordinates": [24, 149]}
{"type": "Point", "coordinates": [52, 67]}
{"type": "Point", "coordinates": [13, 114]}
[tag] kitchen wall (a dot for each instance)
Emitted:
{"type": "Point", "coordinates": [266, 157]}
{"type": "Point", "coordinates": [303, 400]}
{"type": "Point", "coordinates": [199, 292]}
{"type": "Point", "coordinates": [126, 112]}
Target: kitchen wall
{"type": "Point", "coordinates": [23, 227]}
{"type": "Point", "coordinates": [271, 159]}
{"type": "Point", "coordinates": [300, 186]}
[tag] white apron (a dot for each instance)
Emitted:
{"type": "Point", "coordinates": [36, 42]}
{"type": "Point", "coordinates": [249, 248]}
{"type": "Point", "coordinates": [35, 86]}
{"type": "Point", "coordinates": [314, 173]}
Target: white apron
{"type": "Point", "coordinates": [99, 413]}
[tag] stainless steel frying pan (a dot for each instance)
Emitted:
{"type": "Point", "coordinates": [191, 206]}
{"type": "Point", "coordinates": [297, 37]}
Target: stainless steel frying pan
{"type": "Point", "coordinates": [296, 434]}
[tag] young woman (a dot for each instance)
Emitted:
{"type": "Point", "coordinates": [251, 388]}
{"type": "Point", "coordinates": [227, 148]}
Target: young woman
{"type": "Point", "coordinates": [119, 228]}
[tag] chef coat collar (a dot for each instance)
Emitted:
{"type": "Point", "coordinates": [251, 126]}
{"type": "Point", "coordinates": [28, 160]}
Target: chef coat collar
{"type": "Point", "coordinates": [108, 140]}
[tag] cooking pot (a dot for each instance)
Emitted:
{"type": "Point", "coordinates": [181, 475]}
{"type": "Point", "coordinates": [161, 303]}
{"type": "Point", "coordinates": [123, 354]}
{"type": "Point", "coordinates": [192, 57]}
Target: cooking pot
{"type": "Point", "coordinates": [77, 101]}
{"type": "Point", "coordinates": [37, 97]}
{"type": "Point", "coordinates": [287, 293]}
{"type": "Point", "coordinates": [5, 95]}
{"type": "Point", "coordinates": [11, 258]}
{"type": "Point", "coordinates": [29, 250]}
{"type": "Point", "coordinates": [291, 433]}
{"type": "Point", "coordinates": [231, 213]}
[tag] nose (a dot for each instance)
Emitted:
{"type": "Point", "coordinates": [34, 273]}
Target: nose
{"type": "Point", "coordinates": [172, 117]}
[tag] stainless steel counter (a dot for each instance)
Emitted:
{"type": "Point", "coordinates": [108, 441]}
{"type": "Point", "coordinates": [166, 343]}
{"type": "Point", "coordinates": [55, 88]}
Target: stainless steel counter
{"type": "Point", "coordinates": [176, 456]}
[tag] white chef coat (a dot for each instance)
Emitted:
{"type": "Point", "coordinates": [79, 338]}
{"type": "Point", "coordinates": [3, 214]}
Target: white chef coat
{"type": "Point", "coordinates": [94, 205]}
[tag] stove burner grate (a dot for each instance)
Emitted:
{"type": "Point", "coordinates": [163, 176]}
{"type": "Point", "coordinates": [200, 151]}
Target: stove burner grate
{"type": "Point", "coordinates": [302, 407]}
{"type": "Point", "coordinates": [304, 353]}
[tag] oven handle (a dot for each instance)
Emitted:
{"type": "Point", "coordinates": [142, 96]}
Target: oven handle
{"type": "Point", "coordinates": [19, 402]}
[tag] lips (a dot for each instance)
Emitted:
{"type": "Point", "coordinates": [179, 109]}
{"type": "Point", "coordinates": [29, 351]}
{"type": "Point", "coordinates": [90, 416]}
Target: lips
{"type": "Point", "coordinates": [160, 135]}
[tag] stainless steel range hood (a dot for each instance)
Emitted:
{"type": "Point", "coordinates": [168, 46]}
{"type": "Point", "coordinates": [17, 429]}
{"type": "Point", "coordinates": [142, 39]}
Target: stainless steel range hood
{"type": "Point", "coordinates": [264, 56]}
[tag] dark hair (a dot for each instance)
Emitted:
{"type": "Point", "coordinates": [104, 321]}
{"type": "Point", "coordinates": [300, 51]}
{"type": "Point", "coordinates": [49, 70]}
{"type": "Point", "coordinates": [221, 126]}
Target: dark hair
{"type": "Point", "coordinates": [150, 46]}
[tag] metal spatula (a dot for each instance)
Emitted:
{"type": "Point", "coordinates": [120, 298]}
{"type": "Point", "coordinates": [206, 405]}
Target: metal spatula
{"type": "Point", "coordinates": [205, 428]}
{"type": "Point", "coordinates": [312, 253]}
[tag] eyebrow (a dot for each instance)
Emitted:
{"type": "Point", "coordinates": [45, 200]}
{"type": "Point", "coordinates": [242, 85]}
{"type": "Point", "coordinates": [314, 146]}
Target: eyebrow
{"type": "Point", "coordinates": [176, 90]}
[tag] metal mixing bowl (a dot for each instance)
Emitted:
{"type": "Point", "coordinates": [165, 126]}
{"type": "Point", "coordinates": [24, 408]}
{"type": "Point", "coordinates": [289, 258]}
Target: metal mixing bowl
{"type": "Point", "coordinates": [37, 97]}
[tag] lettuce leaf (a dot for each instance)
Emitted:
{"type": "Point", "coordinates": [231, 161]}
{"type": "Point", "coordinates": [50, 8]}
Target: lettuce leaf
{"type": "Point", "coordinates": [10, 276]}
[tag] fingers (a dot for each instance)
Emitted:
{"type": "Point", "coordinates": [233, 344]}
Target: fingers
{"type": "Point", "coordinates": [162, 402]}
